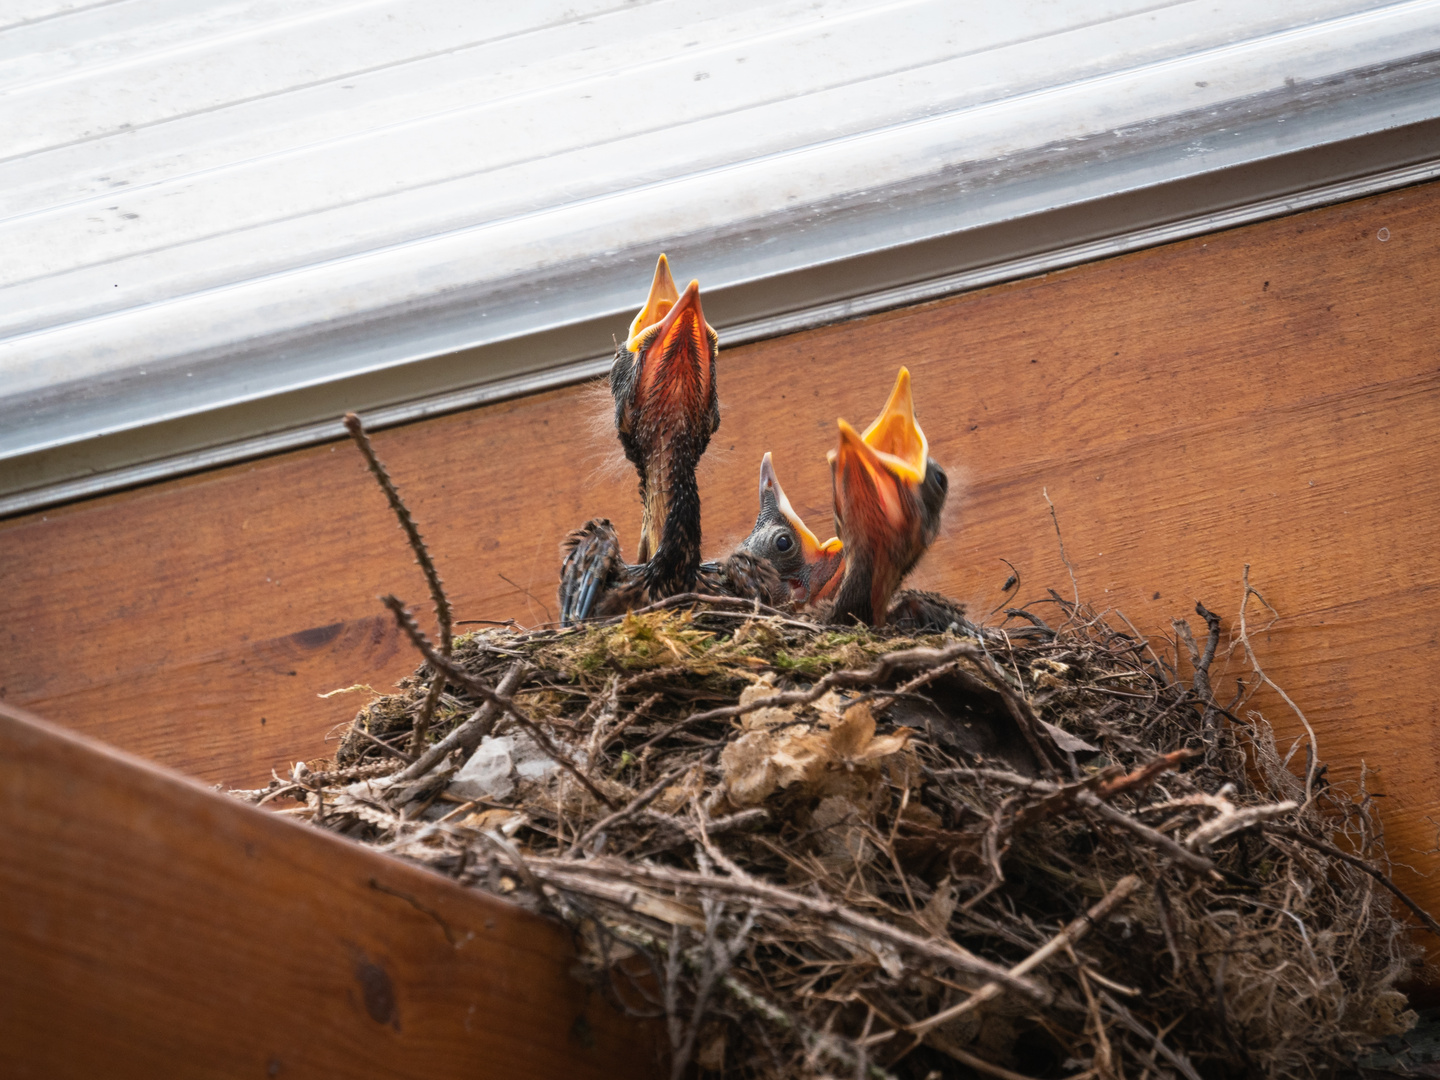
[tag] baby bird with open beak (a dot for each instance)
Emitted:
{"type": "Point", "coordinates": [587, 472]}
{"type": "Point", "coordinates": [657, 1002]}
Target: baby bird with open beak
{"type": "Point", "coordinates": [666, 409]}
{"type": "Point", "coordinates": [889, 494]}
{"type": "Point", "coordinates": [809, 570]}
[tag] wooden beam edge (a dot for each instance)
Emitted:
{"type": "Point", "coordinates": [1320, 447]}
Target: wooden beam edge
{"type": "Point", "coordinates": [186, 933]}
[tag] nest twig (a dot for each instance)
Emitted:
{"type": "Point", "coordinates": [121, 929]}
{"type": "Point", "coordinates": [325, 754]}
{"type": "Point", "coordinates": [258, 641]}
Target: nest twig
{"type": "Point", "coordinates": [356, 427]}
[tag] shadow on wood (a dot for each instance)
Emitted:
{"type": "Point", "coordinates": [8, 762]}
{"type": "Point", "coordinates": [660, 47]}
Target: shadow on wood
{"type": "Point", "coordinates": [154, 928]}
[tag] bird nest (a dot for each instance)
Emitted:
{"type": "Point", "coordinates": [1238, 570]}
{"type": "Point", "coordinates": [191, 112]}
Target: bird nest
{"type": "Point", "coordinates": [1040, 849]}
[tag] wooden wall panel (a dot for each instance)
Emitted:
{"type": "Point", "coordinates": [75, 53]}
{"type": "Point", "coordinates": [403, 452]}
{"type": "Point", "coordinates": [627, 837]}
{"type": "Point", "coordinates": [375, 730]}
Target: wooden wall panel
{"type": "Point", "coordinates": [151, 928]}
{"type": "Point", "coordinates": [1268, 395]}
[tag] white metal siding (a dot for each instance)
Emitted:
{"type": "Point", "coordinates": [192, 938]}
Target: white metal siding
{"type": "Point", "coordinates": [205, 206]}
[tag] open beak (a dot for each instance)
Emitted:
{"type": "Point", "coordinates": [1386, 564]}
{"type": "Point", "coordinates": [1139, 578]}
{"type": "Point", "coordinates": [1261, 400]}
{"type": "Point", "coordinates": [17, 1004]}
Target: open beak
{"type": "Point", "coordinates": [874, 472]}
{"type": "Point", "coordinates": [658, 304]}
{"type": "Point", "coordinates": [810, 547]}
{"type": "Point", "coordinates": [670, 409]}
{"type": "Point", "coordinates": [871, 484]}
{"type": "Point", "coordinates": [676, 356]}
{"type": "Point", "coordinates": [896, 435]}
{"type": "Point", "coordinates": [818, 574]}
{"type": "Point", "coordinates": [888, 499]}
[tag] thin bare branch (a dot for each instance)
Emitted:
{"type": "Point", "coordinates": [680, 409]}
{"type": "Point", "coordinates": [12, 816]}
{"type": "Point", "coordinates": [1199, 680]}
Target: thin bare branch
{"type": "Point", "coordinates": [356, 428]}
{"type": "Point", "coordinates": [1313, 758]}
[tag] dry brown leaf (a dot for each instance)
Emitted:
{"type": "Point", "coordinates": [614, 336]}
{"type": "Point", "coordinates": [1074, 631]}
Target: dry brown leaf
{"type": "Point", "coordinates": [935, 916]}
{"type": "Point", "coordinates": [762, 687]}
{"type": "Point", "coordinates": [853, 738]}
{"type": "Point", "coordinates": [1392, 1015]}
{"type": "Point", "coordinates": [903, 768]}
{"type": "Point", "coordinates": [831, 706]}
{"type": "Point", "coordinates": [677, 796]}
{"type": "Point", "coordinates": [801, 758]}
{"type": "Point", "coordinates": [840, 760]}
{"type": "Point", "coordinates": [853, 733]}
{"type": "Point", "coordinates": [840, 835]}
{"type": "Point", "coordinates": [886, 745]}
{"type": "Point", "coordinates": [747, 769]}
{"type": "Point", "coordinates": [765, 718]}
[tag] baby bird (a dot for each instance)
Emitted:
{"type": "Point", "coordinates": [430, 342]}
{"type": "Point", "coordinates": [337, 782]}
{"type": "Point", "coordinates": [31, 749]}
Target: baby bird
{"type": "Point", "coordinates": [666, 408]}
{"type": "Point", "coordinates": [808, 569]}
{"type": "Point", "coordinates": [889, 494]}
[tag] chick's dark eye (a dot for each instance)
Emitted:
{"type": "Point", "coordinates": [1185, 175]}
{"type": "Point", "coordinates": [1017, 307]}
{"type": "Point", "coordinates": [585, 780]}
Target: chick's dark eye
{"type": "Point", "coordinates": [782, 543]}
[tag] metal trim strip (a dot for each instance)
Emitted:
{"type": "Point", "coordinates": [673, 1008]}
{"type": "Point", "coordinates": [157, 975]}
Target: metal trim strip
{"type": "Point", "coordinates": [735, 334]}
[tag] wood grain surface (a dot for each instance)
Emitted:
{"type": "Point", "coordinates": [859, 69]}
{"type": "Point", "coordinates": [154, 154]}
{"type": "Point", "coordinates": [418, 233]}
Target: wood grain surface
{"type": "Point", "coordinates": [1268, 396]}
{"type": "Point", "coordinates": [152, 928]}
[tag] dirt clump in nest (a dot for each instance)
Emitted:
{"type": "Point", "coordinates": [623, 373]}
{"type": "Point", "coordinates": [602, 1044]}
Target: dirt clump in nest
{"type": "Point", "coordinates": [1041, 849]}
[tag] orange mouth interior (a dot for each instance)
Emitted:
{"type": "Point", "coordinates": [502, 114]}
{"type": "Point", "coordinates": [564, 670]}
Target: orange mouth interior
{"type": "Point", "coordinates": [658, 304]}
